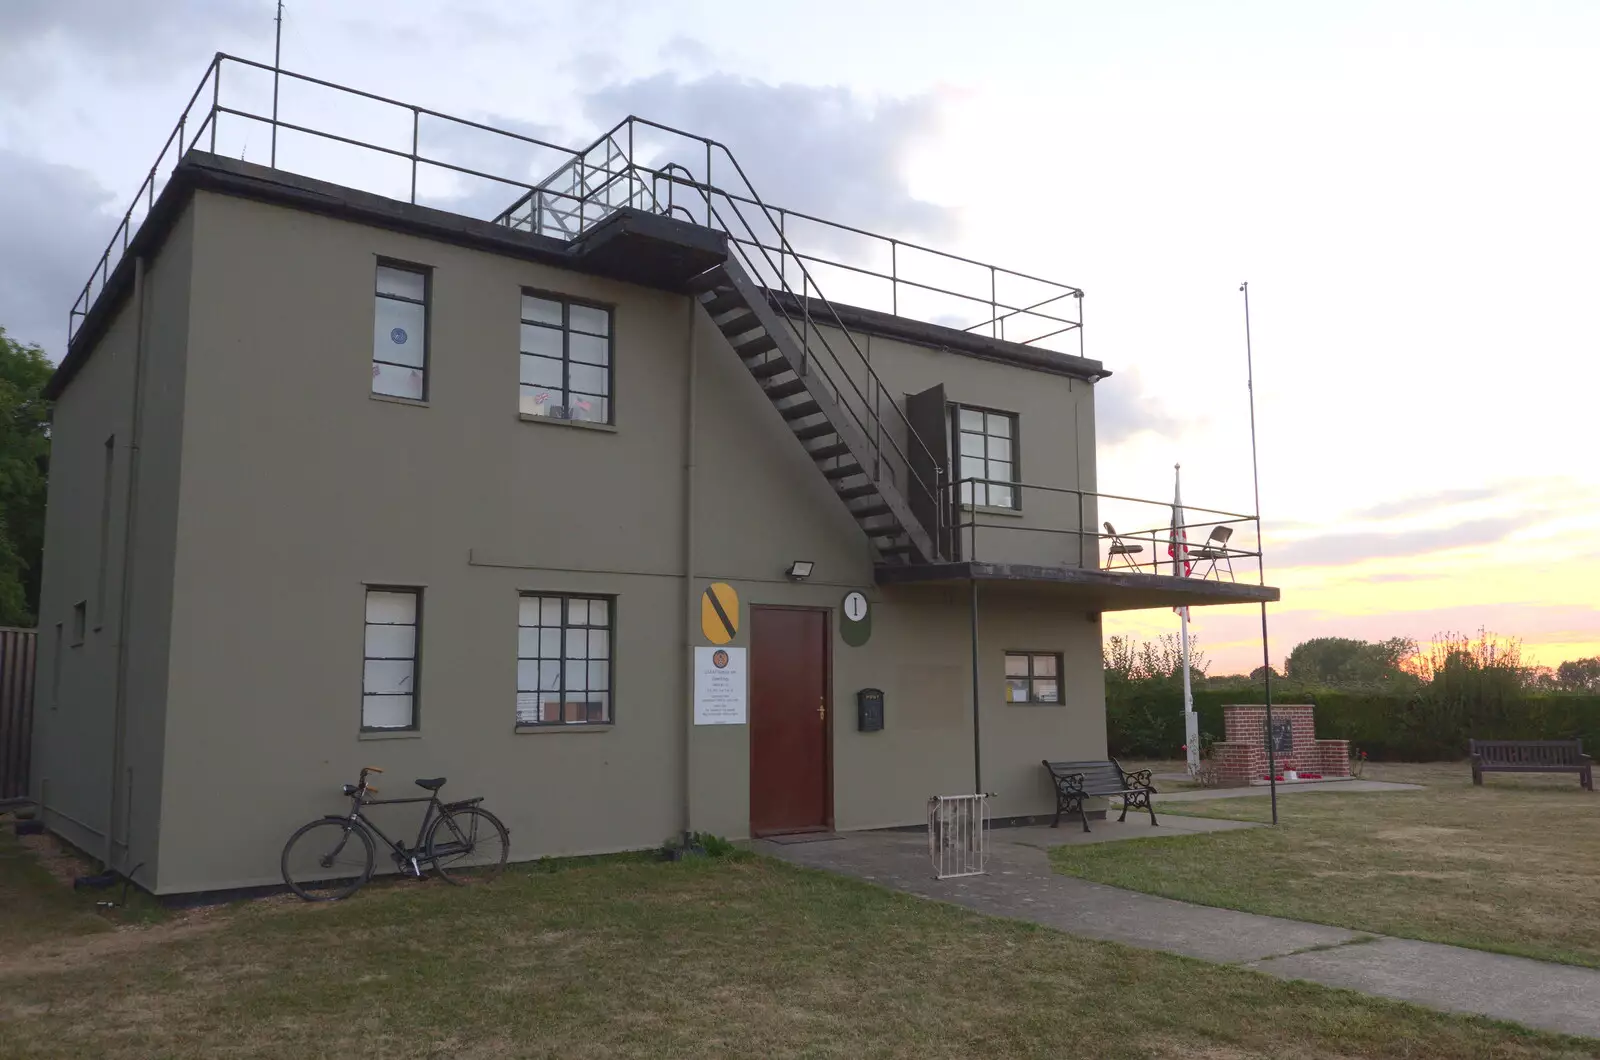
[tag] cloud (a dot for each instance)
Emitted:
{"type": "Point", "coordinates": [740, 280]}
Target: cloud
{"type": "Point", "coordinates": [127, 39]}
{"type": "Point", "coordinates": [820, 150]}
{"type": "Point", "coordinates": [487, 152]}
{"type": "Point", "coordinates": [55, 223]}
{"type": "Point", "coordinates": [1426, 502]}
{"type": "Point", "coordinates": [1122, 409]}
{"type": "Point", "coordinates": [1394, 577]}
{"type": "Point", "coordinates": [1336, 549]}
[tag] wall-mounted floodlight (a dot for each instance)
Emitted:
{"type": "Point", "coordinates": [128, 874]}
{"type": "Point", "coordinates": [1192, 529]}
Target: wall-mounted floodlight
{"type": "Point", "coordinates": [800, 570]}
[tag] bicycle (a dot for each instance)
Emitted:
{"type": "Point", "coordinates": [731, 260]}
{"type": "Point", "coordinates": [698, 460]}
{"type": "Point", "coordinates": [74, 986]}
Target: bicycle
{"type": "Point", "coordinates": [463, 842]}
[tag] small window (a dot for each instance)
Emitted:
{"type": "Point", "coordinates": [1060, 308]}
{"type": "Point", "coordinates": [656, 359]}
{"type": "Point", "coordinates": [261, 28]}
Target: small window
{"type": "Point", "coordinates": [564, 660]}
{"type": "Point", "coordinates": [391, 656]}
{"type": "Point", "coordinates": [986, 448]}
{"type": "Point", "coordinates": [1033, 677]}
{"type": "Point", "coordinates": [400, 332]}
{"type": "Point", "coordinates": [566, 360]}
{"type": "Point", "coordinates": [80, 621]}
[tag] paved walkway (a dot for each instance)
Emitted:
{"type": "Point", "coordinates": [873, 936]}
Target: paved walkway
{"type": "Point", "coordinates": [1310, 787]}
{"type": "Point", "coordinates": [1022, 885]}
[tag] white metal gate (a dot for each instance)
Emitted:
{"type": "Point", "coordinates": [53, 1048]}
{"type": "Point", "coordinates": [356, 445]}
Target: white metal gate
{"type": "Point", "coordinates": [958, 834]}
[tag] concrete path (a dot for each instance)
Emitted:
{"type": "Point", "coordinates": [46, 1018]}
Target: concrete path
{"type": "Point", "coordinates": [1022, 885]}
{"type": "Point", "coordinates": [1310, 787]}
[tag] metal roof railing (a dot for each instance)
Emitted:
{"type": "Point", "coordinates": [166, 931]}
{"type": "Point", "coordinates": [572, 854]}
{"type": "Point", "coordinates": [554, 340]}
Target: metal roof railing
{"type": "Point", "coordinates": [638, 163]}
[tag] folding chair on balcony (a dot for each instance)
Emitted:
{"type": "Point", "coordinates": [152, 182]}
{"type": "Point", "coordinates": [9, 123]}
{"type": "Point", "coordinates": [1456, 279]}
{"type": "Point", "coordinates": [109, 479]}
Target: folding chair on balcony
{"type": "Point", "coordinates": [1215, 550]}
{"type": "Point", "coordinates": [1121, 548]}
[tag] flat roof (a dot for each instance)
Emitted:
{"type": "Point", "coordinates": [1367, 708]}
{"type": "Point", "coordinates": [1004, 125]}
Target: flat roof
{"type": "Point", "coordinates": [635, 246]}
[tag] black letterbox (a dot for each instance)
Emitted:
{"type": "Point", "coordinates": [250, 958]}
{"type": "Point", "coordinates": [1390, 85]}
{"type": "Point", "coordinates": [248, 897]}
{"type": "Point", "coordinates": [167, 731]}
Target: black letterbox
{"type": "Point", "coordinates": [869, 709]}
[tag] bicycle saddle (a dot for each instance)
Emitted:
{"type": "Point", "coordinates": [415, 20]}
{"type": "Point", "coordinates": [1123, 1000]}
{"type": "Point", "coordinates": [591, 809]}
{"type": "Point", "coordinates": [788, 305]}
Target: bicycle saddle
{"type": "Point", "coordinates": [432, 783]}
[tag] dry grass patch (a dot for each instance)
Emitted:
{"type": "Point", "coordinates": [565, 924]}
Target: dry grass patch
{"type": "Point", "coordinates": [747, 957]}
{"type": "Point", "coordinates": [1511, 866]}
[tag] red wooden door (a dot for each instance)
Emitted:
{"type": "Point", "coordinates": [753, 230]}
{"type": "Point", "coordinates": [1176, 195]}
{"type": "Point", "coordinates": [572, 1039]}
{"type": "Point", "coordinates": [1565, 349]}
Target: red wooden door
{"type": "Point", "coordinates": [789, 724]}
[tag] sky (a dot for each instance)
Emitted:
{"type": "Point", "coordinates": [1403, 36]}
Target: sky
{"type": "Point", "coordinates": [1408, 187]}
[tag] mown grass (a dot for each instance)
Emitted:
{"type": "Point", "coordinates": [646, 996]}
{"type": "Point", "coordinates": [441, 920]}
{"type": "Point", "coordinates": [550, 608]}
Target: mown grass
{"type": "Point", "coordinates": [1510, 867]}
{"type": "Point", "coordinates": [733, 957]}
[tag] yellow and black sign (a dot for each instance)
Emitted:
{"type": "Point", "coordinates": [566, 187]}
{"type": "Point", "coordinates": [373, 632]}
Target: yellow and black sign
{"type": "Point", "coordinates": [719, 612]}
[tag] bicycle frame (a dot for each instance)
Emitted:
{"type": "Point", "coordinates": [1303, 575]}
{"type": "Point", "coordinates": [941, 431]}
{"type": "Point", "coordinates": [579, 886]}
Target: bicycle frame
{"type": "Point", "coordinates": [401, 852]}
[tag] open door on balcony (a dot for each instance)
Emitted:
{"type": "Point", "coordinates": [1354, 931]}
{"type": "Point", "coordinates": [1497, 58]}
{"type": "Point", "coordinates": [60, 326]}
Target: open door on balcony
{"type": "Point", "coordinates": [926, 412]}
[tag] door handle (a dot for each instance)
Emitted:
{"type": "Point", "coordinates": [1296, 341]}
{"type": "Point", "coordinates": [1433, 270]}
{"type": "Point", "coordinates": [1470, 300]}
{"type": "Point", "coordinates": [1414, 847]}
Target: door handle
{"type": "Point", "coordinates": [822, 709]}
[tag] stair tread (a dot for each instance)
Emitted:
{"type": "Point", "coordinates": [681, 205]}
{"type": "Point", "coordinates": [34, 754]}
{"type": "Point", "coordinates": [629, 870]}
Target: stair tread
{"type": "Point", "coordinates": [722, 301]}
{"type": "Point", "coordinates": [815, 430]}
{"type": "Point", "coordinates": [871, 510]}
{"type": "Point", "coordinates": [738, 325]}
{"type": "Point", "coordinates": [760, 344]}
{"type": "Point", "coordinates": [843, 471]}
{"type": "Point", "coordinates": [828, 452]}
{"type": "Point", "coordinates": [789, 388]}
{"type": "Point", "coordinates": [800, 410]}
{"type": "Point", "coordinates": [768, 369]}
{"type": "Point", "coordinates": [858, 491]}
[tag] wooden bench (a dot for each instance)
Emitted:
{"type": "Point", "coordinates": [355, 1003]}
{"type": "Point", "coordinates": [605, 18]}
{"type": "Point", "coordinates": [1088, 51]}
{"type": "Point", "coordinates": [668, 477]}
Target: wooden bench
{"type": "Point", "coordinates": [1531, 756]}
{"type": "Point", "coordinates": [1076, 781]}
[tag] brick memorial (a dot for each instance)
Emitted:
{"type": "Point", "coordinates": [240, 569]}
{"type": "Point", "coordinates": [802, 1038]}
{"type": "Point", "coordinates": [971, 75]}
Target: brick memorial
{"type": "Point", "coordinates": [1241, 758]}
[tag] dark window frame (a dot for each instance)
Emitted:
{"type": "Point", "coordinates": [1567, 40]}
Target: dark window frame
{"type": "Point", "coordinates": [1033, 678]}
{"type": "Point", "coordinates": [415, 658]}
{"type": "Point", "coordinates": [610, 628]}
{"type": "Point", "coordinates": [426, 272]}
{"type": "Point", "coordinates": [1015, 440]}
{"type": "Point", "coordinates": [567, 302]}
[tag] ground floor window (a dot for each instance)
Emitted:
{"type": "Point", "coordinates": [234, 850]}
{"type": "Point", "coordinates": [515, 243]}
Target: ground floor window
{"type": "Point", "coordinates": [1033, 677]}
{"type": "Point", "coordinates": [564, 659]}
{"type": "Point", "coordinates": [389, 665]}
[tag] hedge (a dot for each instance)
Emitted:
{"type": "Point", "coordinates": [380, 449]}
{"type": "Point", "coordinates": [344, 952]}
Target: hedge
{"type": "Point", "coordinates": [1146, 721]}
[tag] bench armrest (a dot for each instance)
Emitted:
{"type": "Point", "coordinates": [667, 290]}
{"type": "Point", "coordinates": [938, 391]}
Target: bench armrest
{"type": "Point", "coordinates": [1139, 778]}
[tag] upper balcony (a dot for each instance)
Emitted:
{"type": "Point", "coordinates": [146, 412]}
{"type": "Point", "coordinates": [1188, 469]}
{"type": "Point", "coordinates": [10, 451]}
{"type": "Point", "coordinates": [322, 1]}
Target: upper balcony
{"type": "Point", "coordinates": [1106, 551]}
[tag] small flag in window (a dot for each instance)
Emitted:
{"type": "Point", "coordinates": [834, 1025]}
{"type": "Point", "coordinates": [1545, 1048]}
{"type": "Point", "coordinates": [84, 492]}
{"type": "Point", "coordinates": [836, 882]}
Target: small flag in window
{"type": "Point", "coordinates": [581, 405]}
{"type": "Point", "coordinates": [375, 371]}
{"type": "Point", "coordinates": [541, 397]}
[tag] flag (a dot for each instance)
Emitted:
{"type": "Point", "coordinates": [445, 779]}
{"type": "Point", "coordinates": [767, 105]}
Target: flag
{"type": "Point", "coordinates": [1178, 537]}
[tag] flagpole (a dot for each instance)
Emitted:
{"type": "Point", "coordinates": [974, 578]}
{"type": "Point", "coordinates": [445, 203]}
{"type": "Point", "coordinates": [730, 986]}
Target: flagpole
{"type": "Point", "coordinates": [1180, 567]}
{"type": "Point", "coordinates": [1261, 565]}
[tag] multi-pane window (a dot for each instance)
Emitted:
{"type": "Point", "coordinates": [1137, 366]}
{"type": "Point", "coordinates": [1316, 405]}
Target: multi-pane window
{"type": "Point", "coordinates": [566, 360]}
{"type": "Point", "coordinates": [986, 448]}
{"type": "Point", "coordinates": [563, 660]}
{"type": "Point", "coordinates": [389, 673]}
{"type": "Point", "coordinates": [1033, 677]}
{"type": "Point", "coordinates": [400, 332]}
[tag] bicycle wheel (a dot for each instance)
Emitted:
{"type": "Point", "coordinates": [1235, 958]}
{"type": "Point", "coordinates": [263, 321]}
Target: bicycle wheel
{"type": "Point", "coordinates": [327, 860]}
{"type": "Point", "coordinates": [468, 846]}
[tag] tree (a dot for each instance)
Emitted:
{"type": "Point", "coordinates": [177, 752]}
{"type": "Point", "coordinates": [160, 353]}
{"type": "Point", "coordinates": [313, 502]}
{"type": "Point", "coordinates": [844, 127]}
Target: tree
{"type": "Point", "coordinates": [24, 465]}
{"type": "Point", "coordinates": [1579, 675]}
{"type": "Point", "coordinates": [1340, 662]}
{"type": "Point", "coordinates": [1160, 660]}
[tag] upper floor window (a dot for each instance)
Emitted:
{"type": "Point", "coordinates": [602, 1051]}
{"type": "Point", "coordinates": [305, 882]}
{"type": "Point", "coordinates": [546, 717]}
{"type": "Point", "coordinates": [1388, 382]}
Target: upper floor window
{"type": "Point", "coordinates": [400, 332]}
{"type": "Point", "coordinates": [390, 659]}
{"type": "Point", "coordinates": [566, 360]}
{"type": "Point", "coordinates": [564, 660]}
{"type": "Point", "coordinates": [986, 449]}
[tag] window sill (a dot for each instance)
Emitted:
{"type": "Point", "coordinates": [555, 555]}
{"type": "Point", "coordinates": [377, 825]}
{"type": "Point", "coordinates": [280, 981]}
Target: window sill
{"type": "Point", "coordinates": [391, 734]}
{"type": "Point", "coordinates": [582, 425]}
{"type": "Point", "coordinates": [988, 509]}
{"type": "Point", "coordinates": [393, 400]}
{"type": "Point", "coordinates": [586, 727]}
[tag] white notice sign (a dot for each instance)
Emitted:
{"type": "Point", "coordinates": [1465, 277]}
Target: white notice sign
{"type": "Point", "coordinates": [719, 689]}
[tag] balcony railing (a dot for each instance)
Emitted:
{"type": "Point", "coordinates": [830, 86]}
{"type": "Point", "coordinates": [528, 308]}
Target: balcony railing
{"type": "Point", "coordinates": [1059, 526]}
{"type": "Point", "coordinates": [359, 139]}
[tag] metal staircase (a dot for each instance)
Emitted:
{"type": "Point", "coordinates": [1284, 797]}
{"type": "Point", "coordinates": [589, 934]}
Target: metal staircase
{"type": "Point", "coordinates": [779, 361]}
{"type": "Point", "coordinates": [794, 342]}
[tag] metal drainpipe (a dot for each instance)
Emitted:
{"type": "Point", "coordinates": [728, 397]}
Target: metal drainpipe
{"type": "Point", "coordinates": [124, 602]}
{"type": "Point", "coordinates": [691, 411]}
